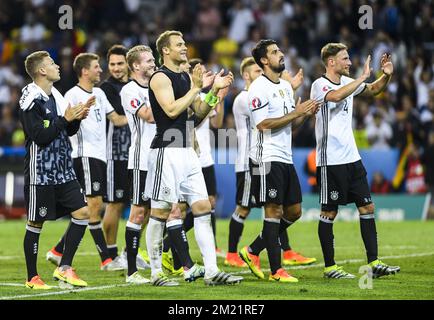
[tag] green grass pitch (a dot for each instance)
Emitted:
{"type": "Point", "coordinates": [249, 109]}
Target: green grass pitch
{"type": "Point", "coordinates": [408, 244]}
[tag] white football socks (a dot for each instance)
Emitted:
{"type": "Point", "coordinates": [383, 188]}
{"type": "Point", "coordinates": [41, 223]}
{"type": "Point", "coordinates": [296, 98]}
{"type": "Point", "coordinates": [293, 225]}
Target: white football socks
{"type": "Point", "coordinates": [205, 240]}
{"type": "Point", "coordinates": [154, 243]}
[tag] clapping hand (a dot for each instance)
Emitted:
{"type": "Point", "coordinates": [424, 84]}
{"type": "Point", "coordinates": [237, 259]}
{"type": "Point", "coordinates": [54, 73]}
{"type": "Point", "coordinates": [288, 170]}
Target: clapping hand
{"type": "Point", "coordinates": [386, 64]}
{"type": "Point", "coordinates": [221, 82]}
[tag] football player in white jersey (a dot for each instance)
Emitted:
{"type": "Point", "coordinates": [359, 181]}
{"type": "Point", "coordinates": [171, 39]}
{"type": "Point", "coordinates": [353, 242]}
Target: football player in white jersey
{"type": "Point", "coordinates": [275, 181]}
{"type": "Point", "coordinates": [249, 70]}
{"type": "Point", "coordinates": [340, 172]}
{"type": "Point", "coordinates": [89, 151]}
{"type": "Point", "coordinates": [135, 101]}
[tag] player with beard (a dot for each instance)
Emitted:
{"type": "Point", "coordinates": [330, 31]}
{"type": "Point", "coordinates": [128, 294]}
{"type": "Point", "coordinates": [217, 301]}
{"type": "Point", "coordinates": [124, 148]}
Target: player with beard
{"type": "Point", "coordinates": [118, 143]}
{"type": "Point", "coordinates": [274, 179]}
{"type": "Point", "coordinates": [340, 171]}
{"type": "Point", "coordinates": [249, 70]}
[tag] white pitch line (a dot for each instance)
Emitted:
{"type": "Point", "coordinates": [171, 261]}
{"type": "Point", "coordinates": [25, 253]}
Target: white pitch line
{"type": "Point", "coordinates": [58, 293]}
{"type": "Point", "coordinates": [345, 261]}
{"type": "Point", "coordinates": [423, 254]}
{"type": "Point", "coordinates": [385, 247]}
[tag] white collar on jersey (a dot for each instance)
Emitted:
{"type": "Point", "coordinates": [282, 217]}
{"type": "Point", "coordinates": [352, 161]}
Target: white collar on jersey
{"type": "Point", "coordinates": [32, 91]}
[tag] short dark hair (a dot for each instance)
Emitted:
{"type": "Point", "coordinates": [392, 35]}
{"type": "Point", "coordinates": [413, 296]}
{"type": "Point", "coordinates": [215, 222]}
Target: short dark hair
{"type": "Point", "coordinates": [117, 49]}
{"type": "Point", "coordinates": [260, 50]}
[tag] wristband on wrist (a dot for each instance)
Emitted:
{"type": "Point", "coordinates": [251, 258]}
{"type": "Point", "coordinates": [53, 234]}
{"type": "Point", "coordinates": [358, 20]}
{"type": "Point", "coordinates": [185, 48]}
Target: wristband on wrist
{"type": "Point", "coordinates": [211, 99]}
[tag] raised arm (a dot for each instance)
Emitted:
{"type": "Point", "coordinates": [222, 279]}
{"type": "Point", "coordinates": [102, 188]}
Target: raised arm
{"type": "Point", "coordinates": [343, 92]}
{"type": "Point", "coordinates": [374, 88]}
{"type": "Point", "coordinates": [295, 81]}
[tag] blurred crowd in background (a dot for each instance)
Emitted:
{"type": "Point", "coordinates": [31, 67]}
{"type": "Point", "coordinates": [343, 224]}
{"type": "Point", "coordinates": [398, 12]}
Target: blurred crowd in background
{"type": "Point", "coordinates": [223, 32]}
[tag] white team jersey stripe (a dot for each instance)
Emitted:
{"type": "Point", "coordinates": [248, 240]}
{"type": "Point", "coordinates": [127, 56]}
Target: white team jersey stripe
{"type": "Point", "coordinates": [158, 173]}
{"type": "Point", "coordinates": [33, 157]}
{"type": "Point", "coordinates": [110, 180]}
{"type": "Point", "coordinates": [137, 142]}
{"type": "Point", "coordinates": [136, 186]}
{"type": "Point", "coordinates": [32, 203]}
{"type": "Point", "coordinates": [263, 187]}
{"type": "Point", "coordinates": [87, 176]}
{"type": "Point", "coordinates": [247, 185]}
{"type": "Point", "coordinates": [79, 143]}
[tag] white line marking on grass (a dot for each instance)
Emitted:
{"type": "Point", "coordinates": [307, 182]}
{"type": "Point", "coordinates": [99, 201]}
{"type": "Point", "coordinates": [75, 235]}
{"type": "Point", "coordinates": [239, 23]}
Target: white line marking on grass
{"type": "Point", "coordinates": [386, 247]}
{"type": "Point", "coordinates": [58, 293]}
{"type": "Point", "coordinates": [344, 262]}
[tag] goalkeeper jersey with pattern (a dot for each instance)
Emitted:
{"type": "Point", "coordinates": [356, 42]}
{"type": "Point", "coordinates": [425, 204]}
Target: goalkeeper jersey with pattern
{"type": "Point", "coordinates": [48, 149]}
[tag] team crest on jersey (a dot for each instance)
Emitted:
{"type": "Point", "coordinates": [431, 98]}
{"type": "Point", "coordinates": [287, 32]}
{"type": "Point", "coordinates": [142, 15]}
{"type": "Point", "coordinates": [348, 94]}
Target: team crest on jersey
{"type": "Point", "coordinates": [287, 92]}
{"type": "Point", "coordinates": [334, 195]}
{"type": "Point", "coordinates": [272, 193]}
{"type": "Point", "coordinates": [135, 103]}
{"type": "Point", "coordinates": [326, 88]}
{"type": "Point", "coordinates": [119, 193]}
{"type": "Point", "coordinates": [166, 191]}
{"type": "Point", "coordinates": [43, 211]}
{"type": "Point", "coordinates": [96, 186]}
{"type": "Point", "coordinates": [282, 94]}
{"type": "Point", "coordinates": [256, 103]}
